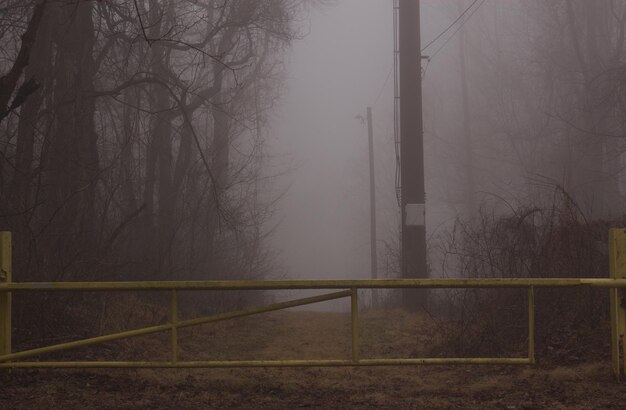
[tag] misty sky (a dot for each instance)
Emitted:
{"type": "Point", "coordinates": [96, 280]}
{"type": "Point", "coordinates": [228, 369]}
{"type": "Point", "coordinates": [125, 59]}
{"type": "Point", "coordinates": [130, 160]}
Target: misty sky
{"type": "Point", "coordinates": [333, 74]}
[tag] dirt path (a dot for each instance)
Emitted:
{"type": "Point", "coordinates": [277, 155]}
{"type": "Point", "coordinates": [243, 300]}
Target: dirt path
{"type": "Point", "coordinates": [313, 335]}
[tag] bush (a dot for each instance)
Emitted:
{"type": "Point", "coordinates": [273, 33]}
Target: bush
{"type": "Point", "coordinates": [528, 242]}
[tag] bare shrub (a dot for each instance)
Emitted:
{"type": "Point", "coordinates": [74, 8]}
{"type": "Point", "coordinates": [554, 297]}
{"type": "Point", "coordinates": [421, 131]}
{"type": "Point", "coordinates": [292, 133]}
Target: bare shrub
{"type": "Point", "coordinates": [528, 242]}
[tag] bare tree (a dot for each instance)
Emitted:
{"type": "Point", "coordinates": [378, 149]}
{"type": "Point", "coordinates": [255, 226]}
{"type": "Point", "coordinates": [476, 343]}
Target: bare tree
{"type": "Point", "coordinates": [140, 152]}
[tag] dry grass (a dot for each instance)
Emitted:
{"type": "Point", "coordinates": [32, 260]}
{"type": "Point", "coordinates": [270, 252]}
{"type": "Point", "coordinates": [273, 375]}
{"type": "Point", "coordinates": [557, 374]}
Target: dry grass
{"type": "Point", "coordinates": [292, 334]}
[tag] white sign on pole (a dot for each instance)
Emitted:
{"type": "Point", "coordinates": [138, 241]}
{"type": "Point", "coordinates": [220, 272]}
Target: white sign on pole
{"type": "Point", "coordinates": [415, 215]}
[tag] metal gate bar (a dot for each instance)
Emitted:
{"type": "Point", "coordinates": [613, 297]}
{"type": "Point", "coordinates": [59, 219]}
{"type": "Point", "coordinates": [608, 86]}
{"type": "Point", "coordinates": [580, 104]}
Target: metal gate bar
{"type": "Point", "coordinates": [615, 285]}
{"type": "Point", "coordinates": [270, 363]}
{"type": "Point", "coordinates": [172, 326]}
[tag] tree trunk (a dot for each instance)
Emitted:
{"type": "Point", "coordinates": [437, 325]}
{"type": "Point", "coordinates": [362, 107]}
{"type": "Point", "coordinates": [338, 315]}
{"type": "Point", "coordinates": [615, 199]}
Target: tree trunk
{"type": "Point", "coordinates": [71, 163]}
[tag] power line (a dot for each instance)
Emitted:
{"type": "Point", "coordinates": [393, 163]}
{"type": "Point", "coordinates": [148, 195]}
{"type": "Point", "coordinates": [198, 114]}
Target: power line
{"type": "Point", "coordinates": [450, 26]}
{"type": "Point", "coordinates": [395, 72]}
{"type": "Point", "coordinates": [380, 92]}
{"type": "Point", "coordinates": [459, 27]}
{"type": "Point", "coordinates": [396, 100]}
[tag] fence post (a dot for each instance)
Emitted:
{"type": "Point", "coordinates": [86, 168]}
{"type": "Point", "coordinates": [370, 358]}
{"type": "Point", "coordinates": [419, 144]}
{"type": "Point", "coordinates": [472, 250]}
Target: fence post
{"type": "Point", "coordinates": [174, 323]}
{"type": "Point", "coordinates": [531, 324]}
{"type": "Point", "coordinates": [354, 319]}
{"type": "Point", "coordinates": [5, 297]}
{"type": "Point", "coordinates": [617, 270]}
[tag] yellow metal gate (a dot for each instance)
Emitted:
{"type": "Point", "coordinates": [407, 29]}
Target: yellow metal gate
{"type": "Point", "coordinates": [342, 289]}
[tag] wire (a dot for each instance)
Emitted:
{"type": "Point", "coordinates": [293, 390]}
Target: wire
{"type": "Point", "coordinates": [380, 92]}
{"type": "Point", "coordinates": [458, 28]}
{"type": "Point", "coordinates": [425, 68]}
{"type": "Point", "coordinates": [450, 26]}
{"type": "Point", "coordinates": [396, 102]}
{"type": "Point", "coordinates": [396, 86]}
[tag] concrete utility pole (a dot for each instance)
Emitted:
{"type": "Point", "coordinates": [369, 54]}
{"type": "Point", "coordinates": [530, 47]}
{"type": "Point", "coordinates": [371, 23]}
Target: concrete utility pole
{"type": "Point", "coordinates": [412, 151]}
{"type": "Point", "coordinates": [373, 253]}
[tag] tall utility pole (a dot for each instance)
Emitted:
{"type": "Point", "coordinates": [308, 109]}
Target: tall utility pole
{"type": "Point", "coordinates": [373, 256]}
{"type": "Point", "coordinates": [470, 186]}
{"type": "Point", "coordinates": [412, 151]}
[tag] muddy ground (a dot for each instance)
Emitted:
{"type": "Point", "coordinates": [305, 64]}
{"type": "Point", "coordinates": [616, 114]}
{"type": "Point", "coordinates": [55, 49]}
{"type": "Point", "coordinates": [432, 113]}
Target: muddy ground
{"type": "Point", "coordinates": [288, 335]}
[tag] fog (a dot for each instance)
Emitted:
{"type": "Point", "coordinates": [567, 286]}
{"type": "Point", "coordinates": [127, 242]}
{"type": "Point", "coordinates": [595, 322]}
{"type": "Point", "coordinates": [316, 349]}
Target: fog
{"type": "Point", "coordinates": [225, 140]}
{"type": "Point", "coordinates": [220, 143]}
{"type": "Point", "coordinates": [502, 152]}
{"type": "Point", "coordinates": [343, 65]}
{"type": "Point", "coordinates": [333, 74]}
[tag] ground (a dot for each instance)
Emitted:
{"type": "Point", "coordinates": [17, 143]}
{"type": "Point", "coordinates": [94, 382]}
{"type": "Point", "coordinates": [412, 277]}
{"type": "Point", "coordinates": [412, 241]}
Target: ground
{"type": "Point", "coordinates": [300, 334]}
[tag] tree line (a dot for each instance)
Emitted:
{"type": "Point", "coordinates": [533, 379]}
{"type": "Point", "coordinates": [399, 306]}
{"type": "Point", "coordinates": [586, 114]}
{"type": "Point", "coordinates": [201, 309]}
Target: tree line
{"type": "Point", "coordinates": [534, 104]}
{"type": "Point", "coordinates": [132, 135]}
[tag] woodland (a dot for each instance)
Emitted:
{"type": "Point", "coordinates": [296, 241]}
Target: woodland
{"type": "Point", "coordinates": [132, 139]}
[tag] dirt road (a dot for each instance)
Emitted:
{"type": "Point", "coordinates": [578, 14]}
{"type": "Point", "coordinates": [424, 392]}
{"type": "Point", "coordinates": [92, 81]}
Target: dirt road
{"type": "Point", "coordinates": [586, 385]}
